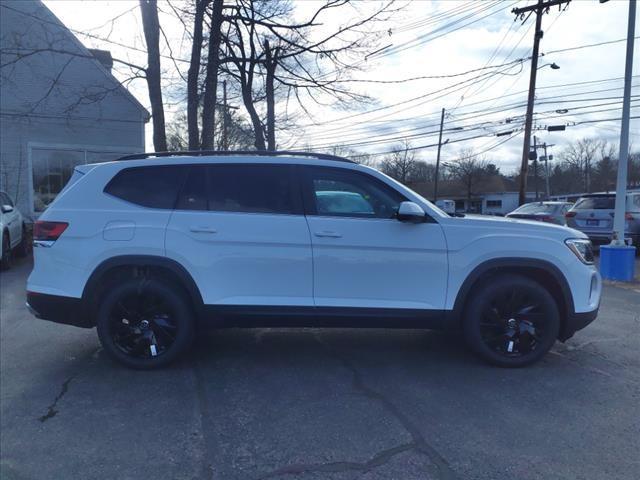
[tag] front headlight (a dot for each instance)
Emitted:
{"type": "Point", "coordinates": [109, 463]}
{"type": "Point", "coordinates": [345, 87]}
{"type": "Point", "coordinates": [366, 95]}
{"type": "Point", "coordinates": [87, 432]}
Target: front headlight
{"type": "Point", "coordinates": [582, 248]}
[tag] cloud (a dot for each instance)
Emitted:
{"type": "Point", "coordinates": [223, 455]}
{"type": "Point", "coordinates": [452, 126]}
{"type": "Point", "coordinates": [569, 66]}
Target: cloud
{"type": "Point", "coordinates": [474, 46]}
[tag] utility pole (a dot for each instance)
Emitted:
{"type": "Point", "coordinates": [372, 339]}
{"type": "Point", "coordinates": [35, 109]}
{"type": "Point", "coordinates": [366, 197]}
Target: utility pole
{"type": "Point", "coordinates": [539, 9]}
{"type": "Point", "coordinates": [623, 163]}
{"type": "Point", "coordinates": [435, 185]}
{"type": "Point", "coordinates": [535, 165]}
{"type": "Point", "coordinates": [546, 169]}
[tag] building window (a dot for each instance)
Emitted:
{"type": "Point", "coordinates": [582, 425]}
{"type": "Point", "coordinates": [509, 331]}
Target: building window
{"type": "Point", "coordinates": [52, 168]}
{"type": "Point", "coordinates": [494, 203]}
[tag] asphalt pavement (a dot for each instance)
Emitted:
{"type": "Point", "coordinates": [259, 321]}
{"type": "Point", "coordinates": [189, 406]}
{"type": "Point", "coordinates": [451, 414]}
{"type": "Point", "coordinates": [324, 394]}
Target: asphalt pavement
{"type": "Point", "coordinates": [318, 404]}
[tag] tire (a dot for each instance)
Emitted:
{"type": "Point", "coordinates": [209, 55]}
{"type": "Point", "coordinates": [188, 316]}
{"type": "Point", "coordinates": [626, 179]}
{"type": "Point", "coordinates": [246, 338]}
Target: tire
{"type": "Point", "coordinates": [145, 323]}
{"type": "Point", "coordinates": [6, 260]}
{"type": "Point", "coordinates": [22, 250]}
{"type": "Point", "coordinates": [511, 321]}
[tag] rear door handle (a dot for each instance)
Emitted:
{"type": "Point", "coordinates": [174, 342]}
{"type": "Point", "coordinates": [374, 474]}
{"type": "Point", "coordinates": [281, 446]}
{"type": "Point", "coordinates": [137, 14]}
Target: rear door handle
{"type": "Point", "coordinates": [328, 233]}
{"type": "Point", "coordinates": [201, 229]}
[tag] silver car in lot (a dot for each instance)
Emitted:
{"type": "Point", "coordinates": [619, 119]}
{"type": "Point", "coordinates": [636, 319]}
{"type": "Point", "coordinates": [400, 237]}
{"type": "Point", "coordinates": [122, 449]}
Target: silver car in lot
{"type": "Point", "coordinates": [593, 215]}
{"type": "Point", "coordinates": [550, 212]}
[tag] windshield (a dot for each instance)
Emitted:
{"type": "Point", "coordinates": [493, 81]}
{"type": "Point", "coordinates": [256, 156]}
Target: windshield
{"type": "Point", "coordinates": [536, 208]}
{"type": "Point", "coordinates": [596, 203]}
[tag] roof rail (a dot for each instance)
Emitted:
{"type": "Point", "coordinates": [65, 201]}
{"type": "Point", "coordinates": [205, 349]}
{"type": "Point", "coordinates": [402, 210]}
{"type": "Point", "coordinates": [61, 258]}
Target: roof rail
{"type": "Point", "coordinates": [261, 153]}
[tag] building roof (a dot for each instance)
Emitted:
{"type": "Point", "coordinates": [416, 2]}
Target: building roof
{"type": "Point", "coordinates": [37, 13]}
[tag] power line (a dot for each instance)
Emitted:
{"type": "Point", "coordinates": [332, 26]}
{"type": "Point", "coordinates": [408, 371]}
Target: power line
{"type": "Point", "coordinates": [480, 113]}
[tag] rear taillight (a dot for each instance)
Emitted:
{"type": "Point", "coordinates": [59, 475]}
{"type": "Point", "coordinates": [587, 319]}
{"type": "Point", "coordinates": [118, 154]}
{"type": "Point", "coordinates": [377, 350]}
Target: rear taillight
{"type": "Point", "coordinates": [570, 214]}
{"type": "Point", "coordinates": [48, 231]}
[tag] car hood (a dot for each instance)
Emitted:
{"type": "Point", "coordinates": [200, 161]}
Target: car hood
{"type": "Point", "coordinates": [516, 225]}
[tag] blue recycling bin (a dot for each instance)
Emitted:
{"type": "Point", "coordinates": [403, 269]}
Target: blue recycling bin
{"type": "Point", "coordinates": [617, 262]}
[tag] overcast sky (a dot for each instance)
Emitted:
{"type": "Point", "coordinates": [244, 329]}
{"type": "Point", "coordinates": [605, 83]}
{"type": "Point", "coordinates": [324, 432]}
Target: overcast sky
{"type": "Point", "coordinates": [420, 41]}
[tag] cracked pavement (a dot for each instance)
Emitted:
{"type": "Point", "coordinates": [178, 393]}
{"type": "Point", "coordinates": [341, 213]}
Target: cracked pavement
{"type": "Point", "coordinates": [318, 404]}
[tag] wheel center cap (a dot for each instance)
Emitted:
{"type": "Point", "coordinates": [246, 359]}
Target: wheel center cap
{"type": "Point", "coordinates": [144, 324]}
{"type": "Point", "coordinates": [511, 322]}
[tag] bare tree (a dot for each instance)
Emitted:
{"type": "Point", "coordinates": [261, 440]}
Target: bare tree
{"type": "Point", "coordinates": [193, 98]}
{"type": "Point", "coordinates": [423, 172]}
{"type": "Point", "coordinates": [151, 27]}
{"type": "Point", "coordinates": [581, 156]}
{"type": "Point", "coordinates": [272, 54]}
{"type": "Point", "coordinates": [239, 132]}
{"type": "Point", "coordinates": [211, 80]}
{"type": "Point", "coordinates": [401, 164]}
{"type": "Point", "coordinates": [470, 170]}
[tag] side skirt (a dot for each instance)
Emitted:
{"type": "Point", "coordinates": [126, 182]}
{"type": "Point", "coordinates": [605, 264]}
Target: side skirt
{"type": "Point", "coordinates": [242, 316]}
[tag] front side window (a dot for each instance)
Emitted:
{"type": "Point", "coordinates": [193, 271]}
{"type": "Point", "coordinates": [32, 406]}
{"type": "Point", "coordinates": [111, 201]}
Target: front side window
{"type": "Point", "coordinates": [346, 193]}
{"type": "Point", "coordinates": [251, 188]}
{"type": "Point", "coordinates": [153, 187]}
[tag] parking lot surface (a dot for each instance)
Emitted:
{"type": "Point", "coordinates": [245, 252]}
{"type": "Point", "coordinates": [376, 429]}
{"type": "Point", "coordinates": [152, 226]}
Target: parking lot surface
{"type": "Point", "coordinates": [318, 404]}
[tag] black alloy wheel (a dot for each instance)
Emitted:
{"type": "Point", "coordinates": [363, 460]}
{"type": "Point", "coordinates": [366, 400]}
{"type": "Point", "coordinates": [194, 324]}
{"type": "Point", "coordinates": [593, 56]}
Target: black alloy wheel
{"type": "Point", "coordinates": [142, 326]}
{"type": "Point", "coordinates": [145, 323]}
{"type": "Point", "coordinates": [512, 321]}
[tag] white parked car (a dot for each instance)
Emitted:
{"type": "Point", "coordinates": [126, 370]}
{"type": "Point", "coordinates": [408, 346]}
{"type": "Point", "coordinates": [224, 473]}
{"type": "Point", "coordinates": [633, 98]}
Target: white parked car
{"type": "Point", "coordinates": [14, 232]}
{"type": "Point", "coordinates": [153, 247]}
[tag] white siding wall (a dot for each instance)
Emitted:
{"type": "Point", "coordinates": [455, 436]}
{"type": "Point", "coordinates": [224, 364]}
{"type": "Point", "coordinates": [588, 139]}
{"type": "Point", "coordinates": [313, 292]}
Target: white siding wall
{"type": "Point", "coordinates": [56, 100]}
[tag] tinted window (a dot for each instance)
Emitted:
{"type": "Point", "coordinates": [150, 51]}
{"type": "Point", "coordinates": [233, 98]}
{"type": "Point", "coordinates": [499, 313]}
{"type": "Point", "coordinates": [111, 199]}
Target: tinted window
{"type": "Point", "coordinates": [251, 188]}
{"type": "Point", "coordinates": [596, 203]}
{"type": "Point", "coordinates": [155, 187]}
{"type": "Point", "coordinates": [536, 208]}
{"type": "Point", "coordinates": [194, 193]}
{"type": "Point", "coordinates": [341, 192]}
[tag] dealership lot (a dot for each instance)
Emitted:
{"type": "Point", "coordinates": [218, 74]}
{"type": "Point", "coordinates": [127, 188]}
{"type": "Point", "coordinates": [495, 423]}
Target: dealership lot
{"type": "Point", "coordinates": [318, 404]}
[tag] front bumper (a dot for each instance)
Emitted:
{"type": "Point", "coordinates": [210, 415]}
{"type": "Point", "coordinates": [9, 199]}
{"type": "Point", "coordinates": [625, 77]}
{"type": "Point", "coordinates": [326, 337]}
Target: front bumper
{"type": "Point", "coordinates": [575, 322]}
{"type": "Point", "coordinates": [59, 309]}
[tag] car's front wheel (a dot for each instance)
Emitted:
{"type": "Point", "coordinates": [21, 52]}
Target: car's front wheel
{"type": "Point", "coordinates": [511, 321]}
{"type": "Point", "coordinates": [145, 323]}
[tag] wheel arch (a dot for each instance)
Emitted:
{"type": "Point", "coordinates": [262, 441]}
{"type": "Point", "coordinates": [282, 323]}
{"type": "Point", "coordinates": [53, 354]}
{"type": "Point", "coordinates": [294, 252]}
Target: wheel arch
{"type": "Point", "coordinates": [125, 266]}
{"type": "Point", "coordinates": [542, 271]}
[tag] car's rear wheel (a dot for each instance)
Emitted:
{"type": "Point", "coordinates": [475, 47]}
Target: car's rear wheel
{"type": "Point", "coordinates": [145, 323]}
{"type": "Point", "coordinates": [511, 321]}
{"type": "Point", "coordinates": [6, 260]}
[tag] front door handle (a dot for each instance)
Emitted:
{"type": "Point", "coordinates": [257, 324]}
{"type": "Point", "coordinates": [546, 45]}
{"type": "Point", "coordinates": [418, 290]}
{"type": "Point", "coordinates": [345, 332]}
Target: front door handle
{"type": "Point", "coordinates": [201, 229]}
{"type": "Point", "coordinates": [328, 233]}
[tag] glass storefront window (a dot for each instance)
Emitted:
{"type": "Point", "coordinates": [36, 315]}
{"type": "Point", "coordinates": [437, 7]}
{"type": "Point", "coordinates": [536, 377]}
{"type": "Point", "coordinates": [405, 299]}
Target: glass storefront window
{"type": "Point", "coordinates": [53, 167]}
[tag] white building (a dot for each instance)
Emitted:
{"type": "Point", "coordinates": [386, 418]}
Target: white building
{"type": "Point", "coordinates": [59, 106]}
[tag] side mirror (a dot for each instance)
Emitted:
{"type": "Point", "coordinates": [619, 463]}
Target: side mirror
{"type": "Point", "coordinates": [410, 212]}
{"type": "Point", "coordinates": [7, 209]}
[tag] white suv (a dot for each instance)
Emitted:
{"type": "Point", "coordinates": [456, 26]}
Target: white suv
{"type": "Point", "coordinates": [154, 246]}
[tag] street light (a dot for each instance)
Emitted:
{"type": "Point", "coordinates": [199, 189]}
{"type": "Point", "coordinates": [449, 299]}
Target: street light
{"type": "Point", "coordinates": [554, 66]}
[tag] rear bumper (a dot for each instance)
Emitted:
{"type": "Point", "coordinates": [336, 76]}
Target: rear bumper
{"type": "Point", "coordinates": [575, 322]}
{"type": "Point", "coordinates": [59, 309]}
{"type": "Point", "coordinates": [605, 238]}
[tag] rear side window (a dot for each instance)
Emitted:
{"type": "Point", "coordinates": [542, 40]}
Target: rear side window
{"type": "Point", "coordinates": [596, 203]}
{"type": "Point", "coordinates": [252, 188]}
{"type": "Point", "coordinates": [153, 187]}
